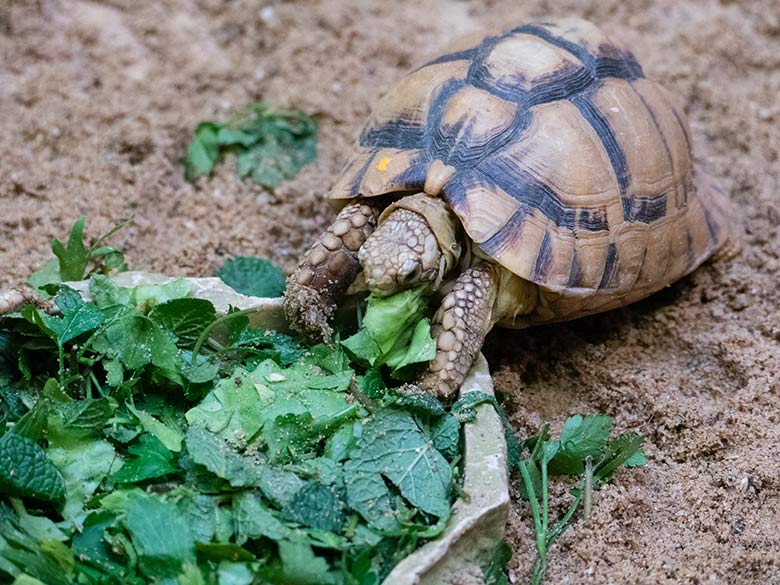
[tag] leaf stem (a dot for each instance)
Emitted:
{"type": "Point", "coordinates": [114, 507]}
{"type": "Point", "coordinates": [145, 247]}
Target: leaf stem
{"type": "Point", "coordinates": [588, 490]}
{"type": "Point", "coordinates": [541, 537]}
{"type": "Point", "coordinates": [61, 359]}
{"type": "Point", "coordinates": [545, 498]}
{"type": "Point", "coordinates": [216, 323]}
{"type": "Point", "coordinates": [539, 441]}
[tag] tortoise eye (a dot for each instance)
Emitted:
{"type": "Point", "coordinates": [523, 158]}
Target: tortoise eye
{"type": "Point", "coordinates": [411, 275]}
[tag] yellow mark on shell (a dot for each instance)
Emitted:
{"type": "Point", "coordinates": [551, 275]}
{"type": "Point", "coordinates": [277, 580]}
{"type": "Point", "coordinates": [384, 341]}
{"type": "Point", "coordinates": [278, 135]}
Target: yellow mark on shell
{"type": "Point", "coordinates": [382, 166]}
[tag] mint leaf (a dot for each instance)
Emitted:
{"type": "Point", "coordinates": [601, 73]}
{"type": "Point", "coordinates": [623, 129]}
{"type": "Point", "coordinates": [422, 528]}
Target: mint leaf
{"type": "Point", "coordinates": [421, 349]}
{"type": "Point", "coordinates": [300, 566]}
{"type": "Point", "coordinates": [161, 536]}
{"type": "Point", "coordinates": [638, 459]}
{"type": "Point", "coordinates": [465, 407]}
{"type": "Point", "coordinates": [80, 419]}
{"type": "Point", "coordinates": [278, 485]}
{"type": "Point", "coordinates": [494, 571]}
{"type": "Point", "coordinates": [284, 143]}
{"type": "Point", "coordinates": [215, 454]}
{"type": "Point", "coordinates": [78, 317]}
{"type": "Point", "coordinates": [203, 151]}
{"type": "Point", "coordinates": [83, 465]}
{"type": "Point", "coordinates": [168, 435]}
{"type": "Point", "coordinates": [319, 506]}
{"type": "Point", "coordinates": [151, 460]}
{"type": "Point", "coordinates": [580, 438]}
{"type": "Point", "coordinates": [617, 452]}
{"type": "Point", "coordinates": [445, 433]}
{"type": "Point", "coordinates": [270, 146]}
{"type": "Point", "coordinates": [254, 520]}
{"type": "Point", "coordinates": [256, 277]}
{"type": "Point", "coordinates": [394, 448]}
{"type": "Point", "coordinates": [184, 318]}
{"type": "Point", "coordinates": [236, 409]}
{"type": "Point", "coordinates": [71, 261]}
{"type": "Point", "coordinates": [207, 518]}
{"type": "Point", "coordinates": [282, 348]}
{"type": "Point", "coordinates": [48, 274]}
{"type": "Point", "coordinates": [74, 257]}
{"type": "Point", "coordinates": [290, 436]}
{"type": "Point", "coordinates": [138, 341]}
{"type": "Point", "coordinates": [26, 470]}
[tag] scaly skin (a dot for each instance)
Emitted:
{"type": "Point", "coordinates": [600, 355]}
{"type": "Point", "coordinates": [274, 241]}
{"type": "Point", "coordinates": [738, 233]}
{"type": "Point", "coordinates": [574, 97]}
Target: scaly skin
{"type": "Point", "coordinates": [326, 271]}
{"type": "Point", "coordinates": [464, 318]}
{"type": "Point", "coordinates": [13, 300]}
{"type": "Point", "coordinates": [402, 253]}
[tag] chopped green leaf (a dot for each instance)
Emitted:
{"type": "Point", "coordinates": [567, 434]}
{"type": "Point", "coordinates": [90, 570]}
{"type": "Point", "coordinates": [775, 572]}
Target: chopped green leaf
{"type": "Point", "coordinates": [319, 506]}
{"type": "Point", "coordinates": [161, 536]}
{"type": "Point", "coordinates": [617, 452]}
{"type": "Point", "coordinates": [580, 438]}
{"type": "Point", "coordinates": [395, 333]}
{"type": "Point", "coordinates": [219, 458]}
{"type": "Point", "coordinates": [203, 151]}
{"type": "Point", "coordinates": [26, 470]}
{"type": "Point", "coordinates": [73, 258]}
{"type": "Point", "coordinates": [83, 465]}
{"type": "Point", "coordinates": [184, 318]}
{"type": "Point", "coordinates": [256, 277]}
{"type": "Point", "coordinates": [254, 520]}
{"type": "Point", "coordinates": [168, 435]}
{"type": "Point", "coordinates": [151, 460]}
{"type": "Point", "coordinates": [393, 447]}
{"type": "Point", "coordinates": [269, 146]}
{"type": "Point", "coordinates": [72, 261]}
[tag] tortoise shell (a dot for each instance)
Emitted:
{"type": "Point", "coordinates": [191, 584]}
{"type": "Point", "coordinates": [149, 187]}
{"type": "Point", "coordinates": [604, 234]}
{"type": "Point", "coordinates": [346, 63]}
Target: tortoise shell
{"type": "Point", "coordinates": [563, 163]}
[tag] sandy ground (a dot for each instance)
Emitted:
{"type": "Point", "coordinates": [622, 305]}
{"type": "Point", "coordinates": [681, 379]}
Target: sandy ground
{"type": "Point", "coordinates": [98, 101]}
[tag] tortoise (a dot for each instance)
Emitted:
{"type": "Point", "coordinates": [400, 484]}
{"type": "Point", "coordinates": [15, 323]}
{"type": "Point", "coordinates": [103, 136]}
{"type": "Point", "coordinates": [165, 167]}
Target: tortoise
{"type": "Point", "coordinates": [528, 177]}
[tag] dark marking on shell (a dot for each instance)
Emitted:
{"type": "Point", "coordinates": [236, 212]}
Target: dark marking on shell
{"type": "Point", "coordinates": [644, 209]}
{"type": "Point", "coordinates": [394, 134]}
{"type": "Point", "coordinates": [414, 175]}
{"type": "Point", "coordinates": [605, 133]}
{"type": "Point", "coordinates": [575, 273]}
{"type": "Point", "coordinates": [354, 186]}
{"type": "Point", "coordinates": [690, 253]}
{"type": "Point", "coordinates": [504, 236]}
{"type": "Point", "coordinates": [593, 219]}
{"type": "Point", "coordinates": [464, 55]}
{"type": "Point", "coordinates": [657, 126]}
{"type": "Point", "coordinates": [609, 278]}
{"type": "Point", "coordinates": [529, 192]}
{"type": "Point", "coordinates": [712, 227]}
{"type": "Point", "coordinates": [614, 63]}
{"type": "Point", "coordinates": [543, 259]}
{"type": "Point", "coordinates": [684, 130]}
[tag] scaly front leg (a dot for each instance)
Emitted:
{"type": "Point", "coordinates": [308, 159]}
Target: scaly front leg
{"type": "Point", "coordinates": [326, 271]}
{"type": "Point", "coordinates": [459, 327]}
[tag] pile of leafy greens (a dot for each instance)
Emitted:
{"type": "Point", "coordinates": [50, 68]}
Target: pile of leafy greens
{"type": "Point", "coordinates": [144, 438]}
{"type": "Point", "coordinates": [270, 146]}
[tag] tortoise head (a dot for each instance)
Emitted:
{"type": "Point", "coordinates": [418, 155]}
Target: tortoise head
{"type": "Point", "coordinates": [404, 252]}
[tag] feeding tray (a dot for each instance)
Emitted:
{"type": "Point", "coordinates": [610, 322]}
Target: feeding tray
{"type": "Point", "coordinates": [479, 516]}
